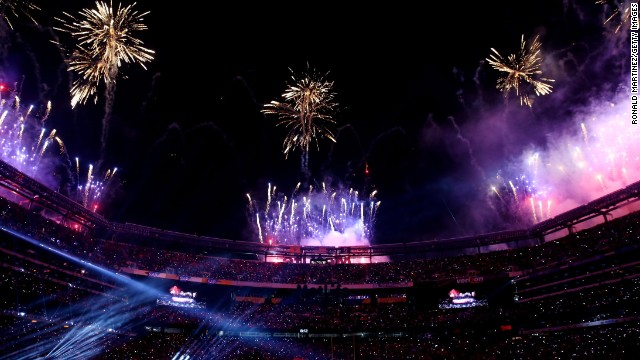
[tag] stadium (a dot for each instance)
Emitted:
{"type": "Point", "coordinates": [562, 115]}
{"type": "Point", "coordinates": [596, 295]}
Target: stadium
{"type": "Point", "coordinates": [537, 261]}
{"type": "Point", "coordinates": [78, 286]}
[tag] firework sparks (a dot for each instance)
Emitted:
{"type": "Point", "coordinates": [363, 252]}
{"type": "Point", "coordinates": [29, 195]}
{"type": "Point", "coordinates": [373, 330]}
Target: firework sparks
{"type": "Point", "coordinates": [87, 187]}
{"type": "Point", "coordinates": [47, 112]}
{"type": "Point", "coordinates": [29, 147]}
{"type": "Point", "coordinates": [105, 41]}
{"type": "Point", "coordinates": [77, 171]}
{"type": "Point", "coordinates": [94, 190]}
{"type": "Point", "coordinates": [493, 188]}
{"type": "Point", "coordinates": [522, 72]}
{"type": "Point", "coordinates": [513, 189]}
{"type": "Point", "coordinates": [621, 11]}
{"type": "Point", "coordinates": [585, 134]}
{"type": "Point", "coordinates": [90, 71]}
{"type": "Point", "coordinates": [566, 174]}
{"type": "Point", "coordinates": [17, 127]}
{"type": "Point", "coordinates": [16, 9]}
{"type": "Point", "coordinates": [306, 110]}
{"type": "Point", "coordinates": [315, 218]}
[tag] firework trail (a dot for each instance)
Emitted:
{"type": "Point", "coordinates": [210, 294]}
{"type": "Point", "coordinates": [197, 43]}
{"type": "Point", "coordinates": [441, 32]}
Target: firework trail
{"type": "Point", "coordinates": [324, 217]}
{"type": "Point", "coordinates": [87, 187]}
{"type": "Point", "coordinates": [104, 41]}
{"type": "Point", "coordinates": [466, 141]}
{"type": "Point", "coordinates": [522, 72]}
{"type": "Point", "coordinates": [306, 111]}
{"type": "Point", "coordinates": [620, 13]}
{"type": "Point", "coordinates": [15, 9]}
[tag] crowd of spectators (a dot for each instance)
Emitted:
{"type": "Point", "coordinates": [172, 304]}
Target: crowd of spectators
{"type": "Point", "coordinates": [616, 234]}
{"type": "Point", "coordinates": [578, 299]}
{"type": "Point", "coordinates": [616, 341]}
{"type": "Point", "coordinates": [590, 343]}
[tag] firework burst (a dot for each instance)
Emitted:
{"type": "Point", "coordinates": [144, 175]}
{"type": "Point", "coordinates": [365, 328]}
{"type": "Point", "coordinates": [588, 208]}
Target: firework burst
{"type": "Point", "coordinates": [104, 41]}
{"type": "Point", "coordinates": [91, 71]}
{"type": "Point", "coordinates": [522, 72]}
{"type": "Point", "coordinates": [306, 110]}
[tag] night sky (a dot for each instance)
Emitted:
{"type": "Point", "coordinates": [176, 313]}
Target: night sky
{"type": "Point", "coordinates": [417, 101]}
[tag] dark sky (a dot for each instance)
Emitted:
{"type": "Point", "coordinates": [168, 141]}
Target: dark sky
{"type": "Point", "coordinates": [417, 105]}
